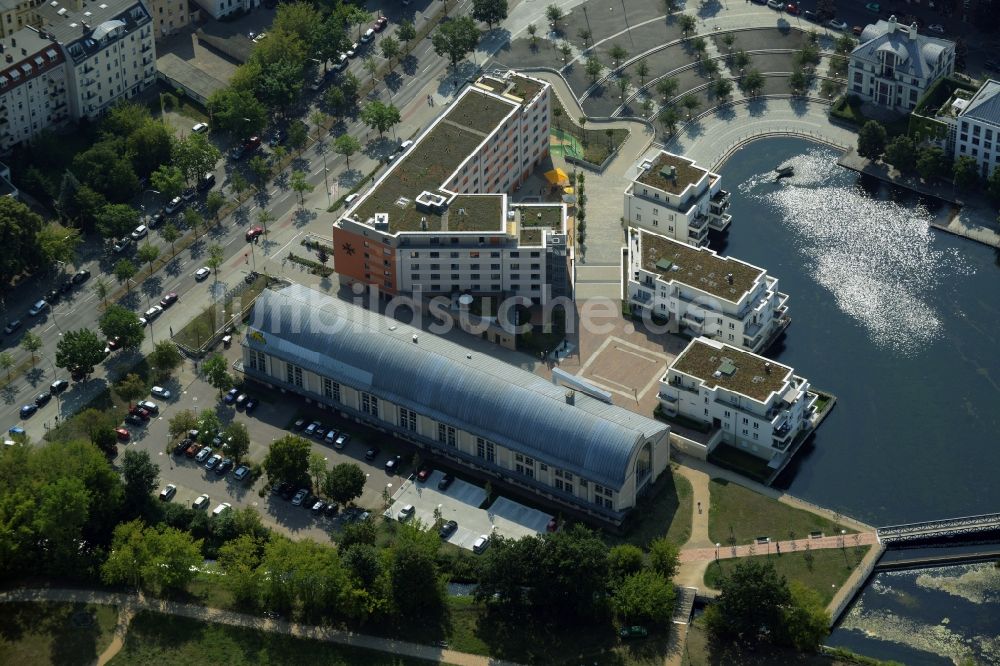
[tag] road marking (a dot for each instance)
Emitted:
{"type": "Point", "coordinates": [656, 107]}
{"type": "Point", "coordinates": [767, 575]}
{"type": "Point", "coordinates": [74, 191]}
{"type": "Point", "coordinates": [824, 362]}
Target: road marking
{"type": "Point", "coordinates": [288, 243]}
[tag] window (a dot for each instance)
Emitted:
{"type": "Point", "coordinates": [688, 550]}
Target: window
{"type": "Point", "coordinates": [331, 389]}
{"type": "Point", "coordinates": [446, 434]}
{"type": "Point", "coordinates": [408, 419]}
{"type": "Point", "coordinates": [486, 449]}
{"type": "Point", "coordinates": [369, 404]}
{"type": "Point", "coordinates": [257, 361]}
{"type": "Point", "coordinates": [293, 375]}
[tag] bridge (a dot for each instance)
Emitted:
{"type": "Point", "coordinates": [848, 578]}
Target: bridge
{"type": "Point", "coordinates": [938, 529]}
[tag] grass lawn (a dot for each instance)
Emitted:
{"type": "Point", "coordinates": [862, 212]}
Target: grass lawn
{"type": "Point", "coordinates": [54, 633]}
{"type": "Point", "coordinates": [826, 572]}
{"type": "Point", "coordinates": [197, 331]}
{"type": "Point", "coordinates": [665, 512]}
{"type": "Point", "coordinates": [596, 144]}
{"type": "Point", "coordinates": [530, 643]}
{"type": "Point", "coordinates": [163, 639]}
{"type": "Point", "coordinates": [744, 515]}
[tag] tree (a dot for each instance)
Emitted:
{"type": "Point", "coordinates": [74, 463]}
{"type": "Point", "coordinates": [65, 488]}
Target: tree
{"type": "Point", "coordinates": [140, 475]}
{"type": "Point", "coordinates": [798, 81]}
{"type": "Point", "coordinates": [699, 45]}
{"type": "Point", "coordinates": [216, 371]}
{"type": "Point", "coordinates": [390, 48]}
{"type": "Point", "coordinates": [741, 60]}
{"type": "Point", "coordinates": [149, 146]}
{"type": "Point", "coordinates": [148, 254]}
{"type": "Point", "coordinates": [729, 39]}
{"type": "Point", "coordinates": [456, 38]}
{"type": "Point", "coordinates": [710, 67]}
{"type": "Point", "coordinates": [195, 155]}
{"type": "Point", "coordinates": [264, 217]}
{"type": "Point", "coordinates": [416, 588]}
{"type": "Point", "coordinates": [131, 388]}
{"type": "Point", "coordinates": [208, 426]}
{"type": "Point", "coordinates": [357, 16]}
{"type": "Point", "coordinates": [722, 88]}
{"type": "Point", "coordinates": [31, 343]}
{"type": "Point", "coordinates": [105, 168]}
{"type": "Point", "coordinates": [687, 23]}
{"type": "Point", "coordinates": [667, 88]}
{"type": "Point", "coordinates": [57, 243]}
{"type": "Point", "coordinates": [593, 68]}
{"type": "Point", "coordinates": [642, 71]}
{"type": "Point", "coordinates": [239, 559]}
{"type": "Point", "coordinates": [116, 220]}
{"type": "Point", "coordinates": [168, 180]}
{"type": "Point", "coordinates": [183, 421]}
{"type": "Point", "coordinates": [566, 50]}
{"type": "Point", "coordinates": [298, 134]}
{"type": "Point", "coordinates": [406, 31]}
{"type": "Point", "coordinates": [617, 53]}
{"type": "Point", "coordinates": [750, 604]}
{"type": "Point", "coordinates": [993, 183]}
{"type": "Point", "coordinates": [623, 561]}
{"type": "Point", "coordinates": [489, 12]}
{"type": "Point", "coordinates": [532, 34]}
{"type": "Point", "coordinates": [585, 34]}
{"type": "Point", "coordinates": [299, 182]}
{"type": "Point", "coordinates": [826, 9]}
{"type": "Point", "coordinates": [645, 596]}
{"type": "Point", "coordinates": [871, 140]}
{"type": "Point", "coordinates": [125, 270]}
{"type": "Point", "coordinates": [261, 169]}
{"type": "Point", "coordinates": [237, 111]}
{"type": "Point", "coordinates": [623, 81]}
{"type": "Point", "coordinates": [664, 557]}
{"type": "Point", "coordinates": [346, 145]}
{"type": "Point", "coordinates": [344, 483]}
{"type": "Point", "coordinates": [236, 443]}
{"type": "Point", "coordinates": [669, 117]}
{"type": "Point", "coordinates": [154, 558]}
{"type": "Point", "coordinates": [380, 116]}
{"type": "Point", "coordinates": [371, 66]}
{"type": "Point", "coordinates": [752, 82]}
{"type": "Point", "coordinates": [690, 102]}
{"type": "Point", "coordinates": [901, 152]}
{"type": "Point", "coordinates": [120, 322]}
{"type": "Point", "coordinates": [79, 349]}
{"type": "Point", "coordinates": [216, 255]}
{"type": "Point", "coordinates": [170, 234]}
{"type": "Point", "coordinates": [6, 362]}
{"type": "Point", "coordinates": [806, 622]}
{"type": "Point", "coordinates": [239, 184]}
{"type": "Point", "coordinates": [214, 202]}
{"type": "Point", "coordinates": [101, 290]}
{"type": "Point", "coordinates": [554, 14]}
{"type": "Point", "coordinates": [965, 172]}
{"type": "Point", "coordinates": [165, 357]}
{"type": "Point", "coordinates": [288, 460]}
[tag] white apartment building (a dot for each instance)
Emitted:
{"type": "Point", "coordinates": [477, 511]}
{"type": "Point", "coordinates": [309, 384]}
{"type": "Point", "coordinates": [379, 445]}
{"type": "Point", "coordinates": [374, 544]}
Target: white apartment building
{"type": "Point", "coordinates": [500, 422]}
{"type": "Point", "coordinates": [977, 128]}
{"type": "Point", "coordinates": [221, 8]}
{"type": "Point", "coordinates": [893, 66]}
{"type": "Point", "coordinates": [671, 196]}
{"type": "Point", "coordinates": [439, 220]}
{"type": "Point", "coordinates": [16, 14]}
{"type": "Point", "coordinates": [699, 293]}
{"type": "Point", "coordinates": [33, 93]}
{"type": "Point", "coordinates": [109, 49]}
{"type": "Point", "coordinates": [760, 406]}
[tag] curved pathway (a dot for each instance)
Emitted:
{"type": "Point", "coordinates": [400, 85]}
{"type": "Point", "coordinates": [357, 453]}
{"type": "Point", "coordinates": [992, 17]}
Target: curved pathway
{"type": "Point", "coordinates": [132, 603]}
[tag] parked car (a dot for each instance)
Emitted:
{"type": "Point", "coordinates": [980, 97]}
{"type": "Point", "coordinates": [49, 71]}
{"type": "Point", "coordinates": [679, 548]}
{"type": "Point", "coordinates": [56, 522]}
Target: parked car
{"type": "Point", "coordinates": [353, 51]}
{"type": "Point", "coordinates": [331, 437]}
{"type": "Point", "coordinates": [241, 399]}
{"type": "Point", "coordinates": [181, 446]}
{"type": "Point", "coordinates": [53, 296]}
{"type": "Point", "coordinates": [199, 128]}
{"type": "Point", "coordinates": [221, 509]}
{"type": "Point", "coordinates": [206, 181]}
{"type": "Point", "coordinates": [168, 492]}
{"type": "Point", "coordinates": [936, 28]}
{"type": "Point", "coordinates": [251, 405]}
{"type": "Point", "coordinates": [212, 461]}
{"type": "Point", "coordinates": [481, 543]}
{"type": "Point", "coordinates": [121, 245]}
{"type": "Point", "coordinates": [836, 24]}
{"type": "Point", "coordinates": [168, 299]}
{"type": "Point", "coordinates": [42, 399]}
{"type": "Point", "coordinates": [393, 464]}
{"type": "Point", "coordinates": [300, 497]}
{"type": "Point", "coordinates": [58, 386]}
{"type": "Point", "coordinates": [189, 194]}
{"type": "Point", "coordinates": [445, 482]}
{"type": "Point", "coordinates": [873, 7]}
{"type": "Point", "coordinates": [27, 411]}
{"type": "Point", "coordinates": [123, 434]}
{"type": "Point", "coordinates": [223, 467]}
{"type": "Point", "coordinates": [153, 312]}
{"type": "Point", "coordinates": [253, 232]}
{"type": "Point", "coordinates": [12, 326]}
{"type": "Point", "coordinates": [792, 8]}
{"type": "Point", "coordinates": [312, 428]}
{"type": "Point", "coordinates": [341, 440]}
{"type": "Point", "coordinates": [202, 273]}
{"type": "Point", "coordinates": [405, 513]}
{"type": "Point", "coordinates": [193, 449]}
{"type": "Point", "coordinates": [318, 507]}
{"type": "Point", "coordinates": [160, 392]}
{"type": "Point", "coordinates": [448, 529]}
{"type": "Point", "coordinates": [201, 502]}
{"type": "Point", "coordinates": [241, 472]}
{"type": "Point", "coordinates": [203, 454]}
{"type": "Point", "coordinates": [80, 276]}
{"type": "Point", "coordinates": [553, 525]}
{"type": "Point", "coordinates": [635, 631]}
{"type": "Point", "coordinates": [299, 424]}
{"type": "Point", "coordinates": [810, 15]}
{"type": "Point", "coordinates": [368, 36]}
{"type": "Point", "coordinates": [156, 220]}
{"type": "Point", "coordinates": [140, 232]}
{"type": "Point", "coordinates": [371, 453]}
{"type": "Point", "coordinates": [857, 30]}
{"type": "Point", "coordinates": [423, 474]}
{"type": "Point", "coordinates": [173, 205]}
{"type": "Point", "coordinates": [38, 308]}
{"type": "Point", "coordinates": [776, 4]}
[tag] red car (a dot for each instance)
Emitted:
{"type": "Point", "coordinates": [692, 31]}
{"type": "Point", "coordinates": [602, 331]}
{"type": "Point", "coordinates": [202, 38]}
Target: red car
{"type": "Point", "coordinates": [253, 232]}
{"type": "Point", "coordinates": [792, 8]}
{"type": "Point", "coordinates": [380, 24]}
{"type": "Point", "coordinates": [114, 343]}
{"type": "Point", "coordinates": [552, 526]}
{"type": "Point", "coordinates": [168, 299]}
{"type": "Point", "coordinates": [141, 412]}
{"type": "Point", "coordinates": [123, 434]}
{"type": "Point", "coordinates": [423, 474]}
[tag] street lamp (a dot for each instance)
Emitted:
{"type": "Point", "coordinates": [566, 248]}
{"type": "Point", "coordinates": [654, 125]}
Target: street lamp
{"type": "Point", "coordinates": [326, 180]}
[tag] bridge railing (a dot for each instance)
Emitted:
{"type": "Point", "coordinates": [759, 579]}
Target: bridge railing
{"type": "Point", "coordinates": [967, 524]}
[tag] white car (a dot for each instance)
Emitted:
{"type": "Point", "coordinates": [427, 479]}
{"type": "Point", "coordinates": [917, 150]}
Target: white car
{"type": "Point", "coordinates": [38, 308]}
{"type": "Point", "coordinates": [160, 392]}
{"type": "Point", "coordinates": [256, 40]}
{"type": "Point", "coordinates": [168, 492]}
{"type": "Point", "coordinates": [222, 508]}
{"type": "Point", "coordinates": [776, 4]}
{"type": "Point", "coordinates": [140, 232]}
{"type": "Point", "coordinates": [153, 312]}
{"type": "Point", "coordinates": [836, 24]}
{"type": "Point", "coordinates": [405, 513]}
{"type": "Point", "coordinates": [121, 245]}
{"type": "Point", "coordinates": [149, 406]}
{"type": "Point", "coordinates": [481, 543]}
{"type": "Point", "coordinates": [199, 128]}
{"type": "Point", "coordinates": [202, 273]}
{"type": "Point", "coordinates": [353, 51]}
{"type": "Point", "coordinates": [174, 205]}
{"type": "Point", "coordinates": [201, 502]}
{"type": "Point", "coordinates": [368, 36]}
{"type": "Point", "coordinates": [936, 27]}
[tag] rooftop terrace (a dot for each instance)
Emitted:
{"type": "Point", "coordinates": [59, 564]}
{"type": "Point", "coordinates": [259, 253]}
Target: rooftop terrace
{"type": "Point", "coordinates": [738, 371]}
{"type": "Point", "coordinates": [687, 174]}
{"type": "Point", "coordinates": [479, 111]}
{"type": "Point", "coordinates": [698, 268]}
{"type": "Point", "coordinates": [524, 87]}
{"type": "Point", "coordinates": [534, 220]}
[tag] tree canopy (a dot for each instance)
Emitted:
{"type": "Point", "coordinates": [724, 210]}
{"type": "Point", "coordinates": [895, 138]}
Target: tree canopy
{"type": "Point", "coordinates": [489, 12]}
{"type": "Point", "coordinates": [456, 38]}
{"type": "Point", "coordinates": [19, 229]}
{"type": "Point", "coordinates": [871, 140]}
{"type": "Point", "coordinates": [288, 460]}
{"type": "Point", "coordinates": [120, 322]}
{"type": "Point", "coordinates": [79, 349]}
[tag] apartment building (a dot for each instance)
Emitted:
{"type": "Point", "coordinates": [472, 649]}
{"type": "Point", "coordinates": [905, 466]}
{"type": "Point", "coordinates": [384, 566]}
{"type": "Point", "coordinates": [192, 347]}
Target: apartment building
{"type": "Point", "coordinates": [169, 16]}
{"type": "Point", "coordinates": [440, 220]}
{"type": "Point", "coordinates": [977, 128]}
{"type": "Point", "coordinates": [221, 8]}
{"type": "Point", "coordinates": [109, 50]}
{"type": "Point", "coordinates": [759, 406]}
{"type": "Point", "coordinates": [562, 447]}
{"type": "Point", "coordinates": [33, 94]}
{"type": "Point", "coordinates": [893, 65]}
{"type": "Point", "coordinates": [671, 196]}
{"type": "Point", "coordinates": [16, 14]}
{"type": "Point", "coordinates": [698, 293]}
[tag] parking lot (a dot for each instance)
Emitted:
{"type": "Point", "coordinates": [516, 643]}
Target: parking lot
{"type": "Point", "coordinates": [461, 502]}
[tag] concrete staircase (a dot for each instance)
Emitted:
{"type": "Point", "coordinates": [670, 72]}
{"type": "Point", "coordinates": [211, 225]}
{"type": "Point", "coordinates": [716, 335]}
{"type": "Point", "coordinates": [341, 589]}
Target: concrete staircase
{"type": "Point", "coordinates": [685, 604]}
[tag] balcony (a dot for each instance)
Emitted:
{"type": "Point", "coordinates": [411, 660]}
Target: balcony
{"type": "Point", "coordinates": [643, 297]}
{"type": "Point", "coordinates": [720, 198]}
{"type": "Point", "coordinates": [719, 222]}
{"type": "Point", "coordinates": [698, 222]}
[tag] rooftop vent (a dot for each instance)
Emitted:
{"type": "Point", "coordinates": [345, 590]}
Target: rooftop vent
{"type": "Point", "coordinates": [423, 224]}
{"type": "Point", "coordinates": [767, 368]}
{"type": "Point", "coordinates": [729, 278]}
{"type": "Point", "coordinates": [381, 221]}
{"type": "Point", "coordinates": [461, 211]}
{"type": "Point", "coordinates": [571, 397]}
{"type": "Point", "coordinates": [414, 338]}
{"type": "Point", "coordinates": [727, 367]}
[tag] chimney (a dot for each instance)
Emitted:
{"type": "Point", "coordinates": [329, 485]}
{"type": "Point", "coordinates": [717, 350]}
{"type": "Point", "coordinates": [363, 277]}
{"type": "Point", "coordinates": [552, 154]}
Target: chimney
{"type": "Point", "coordinates": [767, 368]}
{"type": "Point", "coordinates": [892, 24]}
{"type": "Point", "coordinates": [913, 31]}
{"type": "Point", "coordinates": [24, 51]}
{"type": "Point", "coordinates": [571, 397]}
{"type": "Point", "coordinates": [414, 338]}
{"type": "Point", "coordinates": [10, 58]}
{"type": "Point", "coordinates": [729, 278]}
{"type": "Point", "coordinates": [13, 42]}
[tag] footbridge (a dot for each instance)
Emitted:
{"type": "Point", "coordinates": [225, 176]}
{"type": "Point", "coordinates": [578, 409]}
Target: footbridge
{"type": "Point", "coordinates": [934, 530]}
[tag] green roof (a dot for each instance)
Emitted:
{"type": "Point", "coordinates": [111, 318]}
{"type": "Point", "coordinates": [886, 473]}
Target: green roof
{"type": "Point", "coordinates": [479, 111]}
{"type": "Point", "coordinates": [656, 175]}
{"type": "Point", "coordinates": [724, 277]}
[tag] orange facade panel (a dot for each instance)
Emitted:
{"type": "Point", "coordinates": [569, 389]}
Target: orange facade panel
{"type": "Point", "coordinates": [364, 260]}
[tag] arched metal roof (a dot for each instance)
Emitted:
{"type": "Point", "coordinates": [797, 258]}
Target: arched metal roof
{"type": "Point", "coordinates": [106, 28]}
{"type": "Point", "coordinates": [450, 383]}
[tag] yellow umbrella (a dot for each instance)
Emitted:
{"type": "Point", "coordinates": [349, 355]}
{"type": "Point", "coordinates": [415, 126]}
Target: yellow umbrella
{"type": "Point", "coordinates": [557, 177]}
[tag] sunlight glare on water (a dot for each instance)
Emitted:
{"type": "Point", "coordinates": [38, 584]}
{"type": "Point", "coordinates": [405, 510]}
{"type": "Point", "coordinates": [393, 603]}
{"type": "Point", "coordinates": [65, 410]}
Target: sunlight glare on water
{"type": "Point", "coordinates": [874, 256]}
